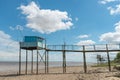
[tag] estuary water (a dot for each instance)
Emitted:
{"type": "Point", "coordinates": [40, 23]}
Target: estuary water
{"type": "Point", "coordinates": [14, 66]}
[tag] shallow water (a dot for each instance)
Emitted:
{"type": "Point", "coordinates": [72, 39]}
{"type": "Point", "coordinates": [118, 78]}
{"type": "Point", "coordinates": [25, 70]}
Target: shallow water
{"type": "Point", "coordinates": [14, 66]}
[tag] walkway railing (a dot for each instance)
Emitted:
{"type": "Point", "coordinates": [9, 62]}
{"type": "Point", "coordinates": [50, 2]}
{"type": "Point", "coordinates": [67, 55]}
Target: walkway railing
{"type": "Point", "coordinates": [88, 48]}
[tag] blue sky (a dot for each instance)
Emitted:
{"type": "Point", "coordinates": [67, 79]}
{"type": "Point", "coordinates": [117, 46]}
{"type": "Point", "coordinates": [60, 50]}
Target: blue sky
{"type": "Point", "coordinates": [81, 22]}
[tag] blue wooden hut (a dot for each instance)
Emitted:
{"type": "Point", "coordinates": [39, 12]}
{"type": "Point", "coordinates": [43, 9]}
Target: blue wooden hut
{"type": "Point", "coordinates": [32, 43]}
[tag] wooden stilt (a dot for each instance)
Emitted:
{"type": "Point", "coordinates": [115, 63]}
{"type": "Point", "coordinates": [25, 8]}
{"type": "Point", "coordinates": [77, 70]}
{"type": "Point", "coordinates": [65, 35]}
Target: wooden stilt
{"type": "Point", "coordinates": [94, 47]}
{"type": "Point", "coordinates": [109, 65]}
{"type": "Point", "coordinates": [37, 62]}
{"type": "Point", "coordinates": [32, 62]}
{"type": "Point", "coordinates": [84, 59]}
{"type": "Point", "coordinates": [45, 58]}
{"type": "Point", "coordinates": [26, 61]}
{"type": "Point", "coordinates": [47, 62]}
{"type": "Point", "coordinates": [19, 61]}
{"type": "Point", "coordinates": [64, 60]}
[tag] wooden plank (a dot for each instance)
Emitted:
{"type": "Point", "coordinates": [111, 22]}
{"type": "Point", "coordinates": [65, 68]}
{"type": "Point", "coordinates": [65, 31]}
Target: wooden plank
{"type": "Point", "coordinates": [83, 51]}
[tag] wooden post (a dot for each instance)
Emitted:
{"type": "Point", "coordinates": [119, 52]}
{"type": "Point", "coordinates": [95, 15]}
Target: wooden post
{"type": "Point", "coordinates": [26, 61]}
{"type": "Point", "coordinates": [94, 47]}
{"type": "Point", "coordinates": [119, 46]}
{"type": "Point", "coordinates": [37, 63]}
{"type": "Point", "coordinates": [96, 55]}
{"type": "Point", "coordinates": [32, 62]}
{"type": "Point", "coordinates": [45, 58]}
{"type": "Point", "coordinates": [19, 61]}
{"type": "Point", "coordinates": [64, 60]}
{"type": "Point", "coordinates": [109, 65]}
{"type": "Point", "coordinates": [84, 59]}
{"type": "Point", "coordinates": [47, 62]}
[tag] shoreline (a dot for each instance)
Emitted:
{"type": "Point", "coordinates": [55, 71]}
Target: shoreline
{"type": "Point", "coordinates": [73, 73]}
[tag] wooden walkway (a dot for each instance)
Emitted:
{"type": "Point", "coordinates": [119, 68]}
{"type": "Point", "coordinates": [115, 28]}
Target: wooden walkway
{"type": "Point", "coordinates": [71, 48]}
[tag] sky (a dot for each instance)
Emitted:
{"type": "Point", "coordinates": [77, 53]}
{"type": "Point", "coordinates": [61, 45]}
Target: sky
{"type": "Point", "coordinates": [77, 22]}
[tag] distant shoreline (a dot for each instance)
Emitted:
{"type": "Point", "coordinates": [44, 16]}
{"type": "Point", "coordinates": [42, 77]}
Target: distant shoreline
{"type": "Point", "coordinates": [14, 66]}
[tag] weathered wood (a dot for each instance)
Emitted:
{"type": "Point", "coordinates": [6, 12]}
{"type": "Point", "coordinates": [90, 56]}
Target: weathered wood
{"type": "Point", "coordinates": [108, 57]}
{"type": "Point", "coordinates": [37, 63]}
{"type": "Point", "coordinates": [32, 62]}
{"type": "Point", "coordinates": [19, 61]}
{"type": "Point", "coordinates": [26, 61]}
{"type": "Point", "coordinates": [47, 62]}
{"type": "Point", "coordinates": [64, 60]}
{"type": "Point", "coordinates": [84, 59]}
{"type": "Point", "coordinates": [45, 58]}
{"type": "Point", "coordinates": [94, 47]}
{"type": "Point", "coordinates": [63, 49]}
{"type": "Point", "coordinates": [84, 51]}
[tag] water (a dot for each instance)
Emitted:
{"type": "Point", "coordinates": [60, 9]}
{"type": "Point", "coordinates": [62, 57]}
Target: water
{"type": "Point", "coordinates": [14, 66]}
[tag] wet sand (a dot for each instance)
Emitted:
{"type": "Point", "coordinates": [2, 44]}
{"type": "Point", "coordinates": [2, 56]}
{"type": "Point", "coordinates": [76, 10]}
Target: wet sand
{"type": "Point", "coordinates": [73, 73]}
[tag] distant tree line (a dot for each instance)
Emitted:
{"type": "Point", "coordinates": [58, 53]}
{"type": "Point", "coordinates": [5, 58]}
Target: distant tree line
{"type": "Point", "coordinates": [117, 58]}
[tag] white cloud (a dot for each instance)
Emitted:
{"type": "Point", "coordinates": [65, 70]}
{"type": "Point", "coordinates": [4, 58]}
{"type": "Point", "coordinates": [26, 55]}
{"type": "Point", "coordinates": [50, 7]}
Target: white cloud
{"type": "Point", "coordinates": [83, 36]}
{"type": "Point", "coordinates": [5, 39]}
{"type": "Point", "coordinates": [86, 42]}
{"type": "Point", "coordinates": [106, 1]}
{"type": "Point", "coordinates": [76, 19]}
{"type": "Point", "coordinates": [12, 28]}
{"type": "Point", "coordinates": [18, 27]}
{"type": "Point", "coordinates": [45, 20]}
{"type": "Point", "coordinates": [117, 28]}
{"type": "Point", "coordinates": [8, 47]}
{"type": "Point", "coordinates": [114, 11]}
{"type": "Point", "coordinates": [112, 37]}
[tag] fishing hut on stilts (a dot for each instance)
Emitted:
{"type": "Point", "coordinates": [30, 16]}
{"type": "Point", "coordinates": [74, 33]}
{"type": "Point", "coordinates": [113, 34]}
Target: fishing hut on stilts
{"type": "Point", "coordinates": [33, 44]}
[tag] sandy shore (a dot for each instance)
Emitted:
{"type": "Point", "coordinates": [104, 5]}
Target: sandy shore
{"type": "Point", "coordinates": [73, 73]}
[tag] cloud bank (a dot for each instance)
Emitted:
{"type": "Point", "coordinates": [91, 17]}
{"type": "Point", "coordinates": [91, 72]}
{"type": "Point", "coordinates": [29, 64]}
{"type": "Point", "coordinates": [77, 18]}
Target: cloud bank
{"type": "Point", "coordinates": [83, 36]}
{"type": "Point", "coordinates": [45, 20]}
{"type": "Point", "coordinates": [112, 37]}
{"type": "Point", "coordinates": [114, 11]}
{"type": "Point", "coordinates": [106, 1]}
{"type": "Point", "coordinates": [8, 47]}
{"type": "Point", "coordinates": [86, 42]}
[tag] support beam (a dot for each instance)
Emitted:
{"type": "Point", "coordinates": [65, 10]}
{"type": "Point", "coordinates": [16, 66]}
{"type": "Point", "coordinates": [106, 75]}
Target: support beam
{"type": "Point", "coordinates": [84, 59]}
{"type": "Point", "coordinates": [64, 60]}
{"type": "Point", "coordinates": [109, 65]}
{"type": "Point", "coordinates": [45, 57]}
{"type": "Point", "coordinates": [32, 62]}
{"type": "Point", "coordinates": [45, 62]}
{"type": "Point", "coordinates": [47, 65]}
{"type": "Point", "coordinates": [26, 61]}
{"type": "Point", "coordinates": [37, 63]}
{"type": "Point", "coordinates": [94, 47]}
{"type": "Point", "coordinates": [20, 61]}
